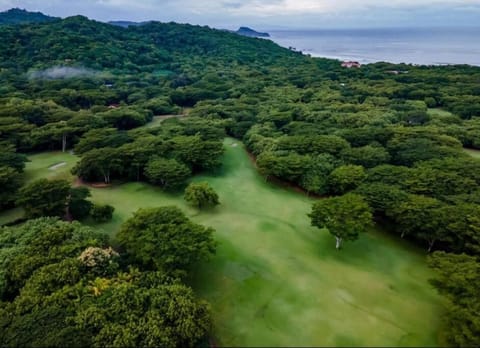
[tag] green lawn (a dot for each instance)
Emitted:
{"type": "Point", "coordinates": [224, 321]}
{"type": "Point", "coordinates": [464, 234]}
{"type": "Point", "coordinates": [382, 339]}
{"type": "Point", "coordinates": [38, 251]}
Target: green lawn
{"type": "Point", "coordinates": [277, 281]}
{"type": "Point", "coordinates": [50, 165]}
{"type": "Point", "coordinates": [473, 152]}
{"type": "Point", "coordinates": [438, 112]}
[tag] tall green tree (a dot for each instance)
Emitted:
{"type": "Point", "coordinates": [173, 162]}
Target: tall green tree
{"type": "Point", "coordinates": [10, 182]}
{"type": "Point", "coordinates": [165, 239]}
{"type": "Point", "coordinates": [44, 198]}
{"type": "Point", "coordinates": [457, 277]}
{"type": "Point", "coordinates": [167, 173]}
{"type": "Point", "coordinates": [98, 164]}
{"type": "Point", "coordinates": [345, 217]}
{"type": "Point", "coordinates": [78, 205]}
{"type": "Point", "coordinates": [346, 178]}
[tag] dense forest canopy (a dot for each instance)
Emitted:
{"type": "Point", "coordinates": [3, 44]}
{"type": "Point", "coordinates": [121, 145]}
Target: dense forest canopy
{"type": "Point", "coordinates": [19, 16]}
{"type": "Point", "coordinates": [391, 136]}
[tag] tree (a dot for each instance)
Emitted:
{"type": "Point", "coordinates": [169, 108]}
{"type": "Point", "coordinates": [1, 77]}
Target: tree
{"type": "Point", "coordinates": [420, 217]}
{"type": "Point", "coordinates": [126, 118]}
{"type": "Point", "coordinates": [78, 205]}
{"type": "Point", "coordinates": [98, 163]}
{"type": "Point", "coordinates": [438, 183]}
{"type": "Point", "coordinates": [98, 138]}
{"type": "Point", "coordinates": [458, 279]}
{"type": "Point", "coordinates": [102, 213]}
{"type": "Point", "coordinates": [201, 195]}
{"type": "Point", "coordinates": [195, 152]}
{"type": "Point", "coordinates": [345, 217]}
{"type": "Point", "coordinates": [139, 309]}
{"type": "Point", "coordinates": [346, 178]}
{"type": "Point", "coordinates": [135, 156]}
{"type": "Point", "coordinates": [41, 242]}
{"type": "Point", "coordinates": [368, 156]}
{"type": "Point", "coordinates": [315, 179]}
{"type": "Point", "coordinates": [382, 197]}
{"type": "Point", "coordinates": [168, 173]}
{"type": "Point", "coordinates": [44, 198]}
{"type": "Point", "coordinates": [53, 135]}
{"type": "Point", "coordinates": [288, 167]}
{"type": "Point", "coordinates": [10, 182]}
{"type": "Point", "coordinates": [10, 158]}
{"type": "Point", "coordinates": [165, 239]}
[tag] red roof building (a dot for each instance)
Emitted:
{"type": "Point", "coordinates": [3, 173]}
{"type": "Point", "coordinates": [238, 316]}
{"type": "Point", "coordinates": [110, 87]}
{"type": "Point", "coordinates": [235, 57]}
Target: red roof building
{"type": "Point", "coordinates": [351, 64]}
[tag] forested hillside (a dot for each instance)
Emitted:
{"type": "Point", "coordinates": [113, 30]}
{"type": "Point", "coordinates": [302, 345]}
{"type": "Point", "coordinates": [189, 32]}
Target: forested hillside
{"type": "Point", "coordinates": [391, 134]}
{"type": "Point", "coordinates": [17, 16]}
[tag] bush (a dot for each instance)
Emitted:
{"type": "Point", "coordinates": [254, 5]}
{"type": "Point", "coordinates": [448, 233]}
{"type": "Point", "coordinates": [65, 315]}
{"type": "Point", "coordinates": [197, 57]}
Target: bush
{"type": "Point", "coordinates": [201, 195]}
{"type": "Point", "coordinates": [102, 213]}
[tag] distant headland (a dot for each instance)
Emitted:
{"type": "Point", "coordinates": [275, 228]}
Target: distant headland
{"type": "Point", "coordinates": [246, 31]}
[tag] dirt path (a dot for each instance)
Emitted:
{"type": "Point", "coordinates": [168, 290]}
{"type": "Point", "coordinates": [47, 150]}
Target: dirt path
{"type": "Point", "coordinates": [157, 120]}
{"type": "Point", "coordinates": [79, 182]}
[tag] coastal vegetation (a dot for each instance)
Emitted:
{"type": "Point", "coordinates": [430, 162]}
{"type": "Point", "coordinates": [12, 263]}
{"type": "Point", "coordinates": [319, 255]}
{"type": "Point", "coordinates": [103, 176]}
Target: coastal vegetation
{"type": "Point", "coordinates": [378, 157]}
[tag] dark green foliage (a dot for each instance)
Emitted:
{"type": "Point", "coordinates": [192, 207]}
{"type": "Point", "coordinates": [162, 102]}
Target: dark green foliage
{"type": "Point", "coordinates": [421, 217]}
{"type": "Point", "coordinates": [381, 197]}
{"type": "Point", "coordinates": [458, 279]}
{"type": "Point", "coordinates": [10, 182]}
{"type": "Point", "coordinates": [408, 147]}
{"type": "Point", "coordinates": [46, 241]}
{"type": "Point", "coordinates": [388, 174]}
{"type": "Point", "coordinates": [315, 179]}
{"type": "Point", "coordinates": [98, 138]}
{"type": "Point", "coordinates": [167, 173]}
{"type": "Point", "coordinates": [98, 164]}
{"type": "Point", "coordinates": [140, 313]}
{"type": "Point", "coordinates": [78, 205]}
{"type": "Point", "coordinates": [125, 118]}
{"type": "Point", "coordinates": [102, 213]}
{"type": "Point", "coordinates": [165, 239]}
{"type": "Point", "coordinates": [195, 152]}
{"type": "Point", "coordinates": [18, 16]}
{"type": "Point", "coordinates": [61, 286]}
{"type": "Point", "coordinates": [44, 198]}
{"type": "Point", "coordinates": [201, 195]}
{"type": "Point", "coordinates": [367, 156]}
{"type": "Point", "coordinates": [12, 159]}
{"type": "Point", "coordinates": [346, 178]}
{"type": "Point", "coordinates": [289, 167]}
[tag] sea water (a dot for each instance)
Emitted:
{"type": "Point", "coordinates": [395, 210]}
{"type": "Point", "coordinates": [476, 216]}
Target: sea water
{"type": "Point", "coordinates": [429, 46]}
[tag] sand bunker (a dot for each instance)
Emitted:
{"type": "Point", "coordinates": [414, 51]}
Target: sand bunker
{"type": "Point", "coordinates": [56, 166]}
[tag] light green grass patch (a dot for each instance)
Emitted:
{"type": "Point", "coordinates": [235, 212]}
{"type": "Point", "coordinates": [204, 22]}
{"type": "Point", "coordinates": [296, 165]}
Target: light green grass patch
{"type": "Point", "coordinates": [473, 152]}
{"type": "Point", "coordinates": [438, 112]}
{"type": "Point", "coordinates": [50, 165]}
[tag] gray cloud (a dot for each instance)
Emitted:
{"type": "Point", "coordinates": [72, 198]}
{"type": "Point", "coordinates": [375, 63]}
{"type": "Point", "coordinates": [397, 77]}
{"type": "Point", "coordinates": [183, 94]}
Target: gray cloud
{"type": "Point", "coordinates": [267, 13]}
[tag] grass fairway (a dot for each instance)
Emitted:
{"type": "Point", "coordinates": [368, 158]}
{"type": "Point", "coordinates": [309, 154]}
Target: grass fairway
{"type": "Point", "coordinates": [50, 165]}
{"type": "Point", "coordinates": [277, 281]}
{"type": "Point", "coordinates": [438, 112]}
{"type": "Point", "coordinates": [473, 152]}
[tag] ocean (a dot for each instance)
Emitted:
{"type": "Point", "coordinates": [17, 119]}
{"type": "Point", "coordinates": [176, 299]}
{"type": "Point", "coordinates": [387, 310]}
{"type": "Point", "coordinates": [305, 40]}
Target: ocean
{"type": "Point", "coordinates": [426, 46]}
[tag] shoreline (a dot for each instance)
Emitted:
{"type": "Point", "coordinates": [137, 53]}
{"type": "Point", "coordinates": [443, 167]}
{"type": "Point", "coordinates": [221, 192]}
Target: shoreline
{"type": "Point", "coordinates": [415, 47]}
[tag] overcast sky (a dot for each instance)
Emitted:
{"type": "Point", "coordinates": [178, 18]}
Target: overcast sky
{"type": "Point", "coordinates": [268, 14]}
